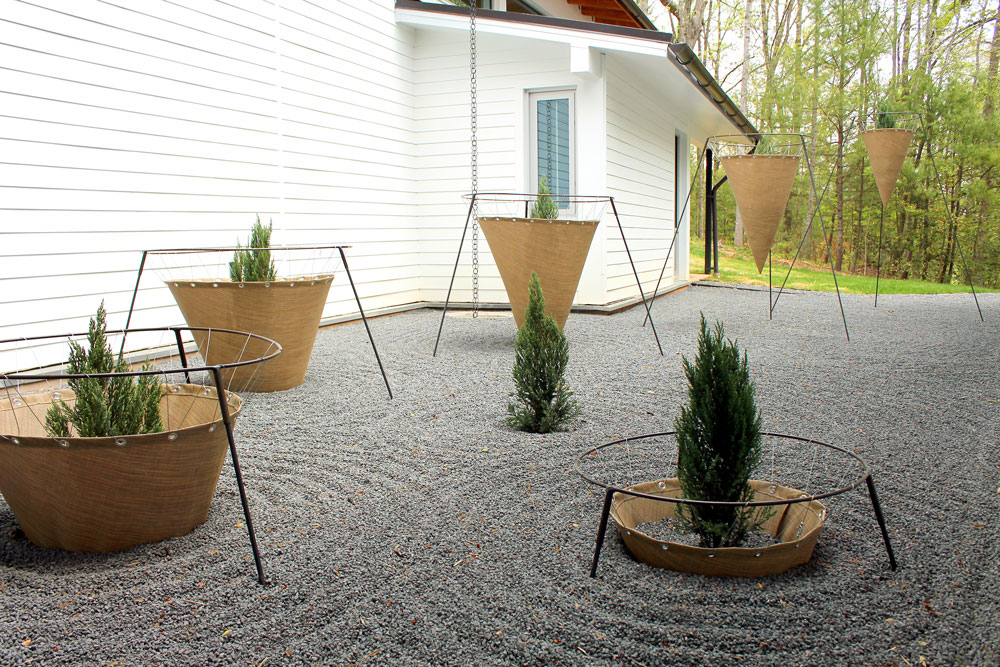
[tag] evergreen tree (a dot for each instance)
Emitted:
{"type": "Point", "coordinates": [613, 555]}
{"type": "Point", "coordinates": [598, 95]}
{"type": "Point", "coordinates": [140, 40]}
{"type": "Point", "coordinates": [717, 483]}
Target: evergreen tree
{"type": "Point", "coordinates": [254, 264]}
{"type": "Point", "coordinates": [105, 406]}
{"type": "Point", "coordinates": [544, 207]}
{"type": "Point", "coordinates": [543, 403]}
{"type": "Point", "coordinates": [718, 442]}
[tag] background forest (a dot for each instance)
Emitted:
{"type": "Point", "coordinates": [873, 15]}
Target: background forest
{"type": "Point", "coordinates": [822, 68]}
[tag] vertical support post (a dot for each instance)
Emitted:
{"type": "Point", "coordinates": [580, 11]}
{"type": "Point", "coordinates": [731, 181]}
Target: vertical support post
{"type": "Point", "coordinates": [635, 272]}
{"type": "Point", "coordinates": [878, 266]}
{"type": "Point", "coordinates": [951, 221]}
{"type": "Point", "coordinates": [181, 354]}
{"type": "Point", "coordinates": [227, 420]}
{"type": "Point", "coordinates": [877, 506]}
{"type": "Point", "coordinates": [708, 210]}
{"type": "Point", "coordinates": [602, 528]}
{"type": "Point", "coordinates": [715, 229]}
{"type": "Point", "coordinates": [347, 269]}
{"type": "Point", "coordinates": [454, 271]}
{"type": "Point", "coordinates": [131, 307]}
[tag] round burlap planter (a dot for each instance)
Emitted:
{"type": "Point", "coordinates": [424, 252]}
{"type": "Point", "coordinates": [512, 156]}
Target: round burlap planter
{"type": "Point", "coordinates": [796, 525]}
{"type": "Point", "coordinates": [887, 149]}
{"type": "Point", "coordinates": [286, 311]}
{"type": "Point", "coordinates": [761, 185]}
{"type": "Point", "coordinates": [109, 494]}
{"type": "Point", "coordinates": [556, 250]}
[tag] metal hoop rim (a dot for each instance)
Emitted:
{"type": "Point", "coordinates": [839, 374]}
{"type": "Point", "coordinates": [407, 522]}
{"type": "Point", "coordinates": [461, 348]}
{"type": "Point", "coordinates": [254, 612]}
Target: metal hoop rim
{"type": "Point", "coordinates": [136, 373]}
{"type": "Point", "coordinates": [757, 503]}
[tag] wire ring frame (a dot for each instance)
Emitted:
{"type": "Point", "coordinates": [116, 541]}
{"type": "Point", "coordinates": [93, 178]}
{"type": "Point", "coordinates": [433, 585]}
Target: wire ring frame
{"type": "Point", "coordinates": [20, 376]}
{"type": "Point", "coordinates": [805, 497]}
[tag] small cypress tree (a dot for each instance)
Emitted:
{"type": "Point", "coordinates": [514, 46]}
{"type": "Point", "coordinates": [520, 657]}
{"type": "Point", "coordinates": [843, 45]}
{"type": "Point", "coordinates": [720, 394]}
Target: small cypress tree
{"type": "Point", "coordinates": [718, 442]}
{"type": "Point", "coordinates": [544, 207]}
{"type": "Point", "coordinates": [885, 120]}
{"type": "Point", "coordinates": [254, 263]}
{"type": "Point", "coordinates": [105, 406]}
{"type": "Point", "coordinates": [543, 403]}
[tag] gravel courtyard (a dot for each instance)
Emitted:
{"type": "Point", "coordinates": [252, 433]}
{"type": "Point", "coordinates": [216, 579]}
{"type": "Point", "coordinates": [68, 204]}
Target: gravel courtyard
{"type": "Point", "coordinates": [422, 531]}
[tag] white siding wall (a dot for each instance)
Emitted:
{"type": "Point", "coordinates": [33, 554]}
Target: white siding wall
{"type": "Point", "coordinates": [150, 124]}
{"type": "Point", "coordinates": [507, 69]}
{"type": "Point", "coordinates": [640, 157]}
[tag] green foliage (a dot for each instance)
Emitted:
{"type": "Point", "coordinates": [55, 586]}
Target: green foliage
{"type": "Point", "coordinates": [718, 442]}
{"type": "Point", "coordinates": [885, 120]}
{"type": "Point", "coordinates": [543, 403]}
{"type": "Point", "coordinates": [766, 145]}
{"type": "Point", "coordinates": [544, 207]}
{"type": "Point", "coordinates": [105, 406]}
{"type": "Point", "coordinates": [254, 264]}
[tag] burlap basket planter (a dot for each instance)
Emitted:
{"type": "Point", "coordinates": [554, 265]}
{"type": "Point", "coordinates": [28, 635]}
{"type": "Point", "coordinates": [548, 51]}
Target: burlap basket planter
{"type": "Point", "coordinates": [556, 250]}
{"type": "Point", "coordinates": [286, 311]}
{"type": "Point", "coordinates": [761, 185]}
{"type": "Point", "coordinates": [887, 149]}
{"type": "Point", "coordinates": [109, 494]}
{"type": "Point", "coordinates": [797, 526]}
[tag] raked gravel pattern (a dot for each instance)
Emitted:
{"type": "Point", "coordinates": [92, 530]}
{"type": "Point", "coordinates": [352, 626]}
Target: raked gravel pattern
{"type": "Point", "coordinates": [423, 531]}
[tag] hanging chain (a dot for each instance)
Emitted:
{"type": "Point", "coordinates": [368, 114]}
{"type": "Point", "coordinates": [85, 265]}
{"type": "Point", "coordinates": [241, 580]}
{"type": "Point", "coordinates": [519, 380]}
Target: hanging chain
{"type": "Point", "coordinates": [475, 157]}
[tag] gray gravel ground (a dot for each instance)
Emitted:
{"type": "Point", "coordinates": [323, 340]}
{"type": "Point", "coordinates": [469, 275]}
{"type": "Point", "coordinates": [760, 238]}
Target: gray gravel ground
{"type": "Point", "coordinates": [422, 531]}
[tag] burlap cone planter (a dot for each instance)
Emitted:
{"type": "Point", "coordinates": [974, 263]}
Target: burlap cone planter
{"type": "Point", "coordinates": [286, 311]}
{"type": "Point", "coordinates": [554, 249]}
{"type": "Point", "coordinates": [761, 185]}
{"type": "Point", "coordinates": [797, 527]}
{"type": "Point", "coordinates": [109, 494]}
{"type": "Point", "coordinates": [887, 149]}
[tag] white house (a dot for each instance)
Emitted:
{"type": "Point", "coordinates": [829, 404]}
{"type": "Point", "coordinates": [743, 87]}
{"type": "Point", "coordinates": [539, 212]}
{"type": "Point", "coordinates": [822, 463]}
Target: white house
{"type": "Point", "coordinates": [145, 124]}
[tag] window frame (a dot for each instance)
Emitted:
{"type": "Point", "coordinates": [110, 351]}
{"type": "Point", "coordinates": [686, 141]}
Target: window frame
{"type": "Point", "coordinates": [534, 96]}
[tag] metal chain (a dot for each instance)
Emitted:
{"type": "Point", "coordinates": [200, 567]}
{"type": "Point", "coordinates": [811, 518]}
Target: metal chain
{"type": "Point", "coordinates": [475, 158]}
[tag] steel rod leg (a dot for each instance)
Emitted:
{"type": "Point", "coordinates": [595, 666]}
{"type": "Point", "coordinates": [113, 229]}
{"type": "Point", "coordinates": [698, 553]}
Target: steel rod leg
{"type": "Point", "coordinates": [770, 300]}
{"type": "Point", "coordinates": [677, 226]}
{"type": "Point", "coordinates": [881, 520]}
{"type": "Point", "coordinates": [636, 273]}
{"type": "Point", "coordinates": [131, 307]}
{"type": "Point", "coordinates": [347, 269]}
{"type": "Point", "coordinates": [878, 266]}
{"type": "Point", "coordinates": [951, 222]}
{"type": "Point", "coordinates": [228, 421]}
{"type": "Point", "coordinates": [182, 355]}
{"type": "Point", "coordinates": [454, 271]}
{"type": "Point", "coordinates": [829, 250]}
{"type": "Point", "coordinates": [601, 529]}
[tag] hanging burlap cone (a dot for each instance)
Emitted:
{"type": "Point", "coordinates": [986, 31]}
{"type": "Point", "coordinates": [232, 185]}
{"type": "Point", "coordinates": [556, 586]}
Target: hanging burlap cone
{"type": "Point", "coordinates": [554, 249]}
{"type": "Point", "coordinates": [761, 185]}
{"type": "Point", "coordinates": [887, 148]}
{"type": "Point", "coordinates": [285, 311]}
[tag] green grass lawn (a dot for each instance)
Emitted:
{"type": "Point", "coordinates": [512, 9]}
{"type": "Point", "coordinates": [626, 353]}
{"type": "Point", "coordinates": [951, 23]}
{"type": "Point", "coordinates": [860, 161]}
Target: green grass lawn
{"type": "Point", "coordinates": [738, 266]}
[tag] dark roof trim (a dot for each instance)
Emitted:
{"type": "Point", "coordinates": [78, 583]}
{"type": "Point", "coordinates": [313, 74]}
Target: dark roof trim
{"type": "Point", "coordinates": [688, 62]}
{"type": "Point", "coordinates": [511, 17]}
{"type": "Point", "coordinates": [638, 14]}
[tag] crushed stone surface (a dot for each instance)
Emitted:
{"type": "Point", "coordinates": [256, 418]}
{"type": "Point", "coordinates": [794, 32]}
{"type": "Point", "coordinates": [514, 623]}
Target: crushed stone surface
{"type": "Point", "coordinates": [423, 531]}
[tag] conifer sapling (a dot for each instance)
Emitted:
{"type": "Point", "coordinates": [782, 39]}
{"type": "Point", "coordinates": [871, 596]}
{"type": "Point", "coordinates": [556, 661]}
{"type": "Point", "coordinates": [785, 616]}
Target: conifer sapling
{"type": "Point", "coordinates": [544, 207]}
{"type": "Point", "coordinates": [254, 264]}
{"type": "Point", "coordinates": [543, 403]}
{"type": "Point", "coordinates": [105, 406]}
{"type": "Point", "coordinates": [718, 442]}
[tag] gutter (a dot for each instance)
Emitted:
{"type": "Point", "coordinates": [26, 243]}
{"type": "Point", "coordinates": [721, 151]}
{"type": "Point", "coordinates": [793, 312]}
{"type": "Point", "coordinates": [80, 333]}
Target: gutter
{"type": "Point", "coordinates": [638, 14]}
{"type": "Point", "coordinates": [687, 61]}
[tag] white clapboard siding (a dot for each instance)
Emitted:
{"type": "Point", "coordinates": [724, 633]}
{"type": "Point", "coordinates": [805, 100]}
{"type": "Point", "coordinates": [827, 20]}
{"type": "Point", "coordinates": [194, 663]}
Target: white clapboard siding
{"type": "Point", "coordinates": [506, 69]}
{"type": "Point", "coordinates": [145, 124]}
{"type": "Point", "coordinates": [640, 164]}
